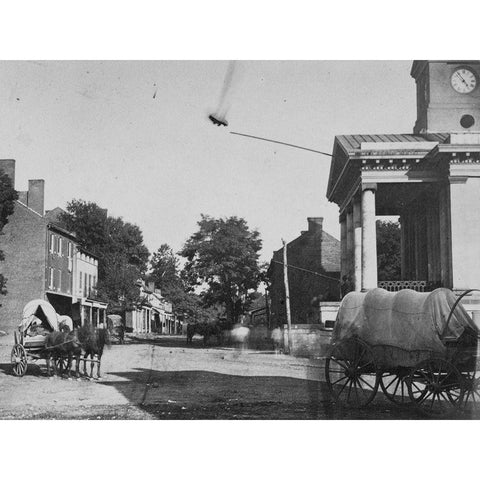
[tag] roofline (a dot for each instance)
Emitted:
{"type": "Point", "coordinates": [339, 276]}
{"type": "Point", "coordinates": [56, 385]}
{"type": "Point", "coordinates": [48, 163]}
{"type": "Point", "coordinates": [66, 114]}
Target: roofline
{"type": "Point", "coordinates": [61, 230]}
{"type": "Point", "coordinates": [88, 252]}
{"type": "Point", "coordinates": [30, 210]}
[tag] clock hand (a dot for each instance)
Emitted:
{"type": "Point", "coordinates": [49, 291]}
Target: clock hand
{"type": "Point", "coordinates": [461, 78]}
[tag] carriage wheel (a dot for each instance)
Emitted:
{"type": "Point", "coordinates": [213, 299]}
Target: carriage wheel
{"type": "Point", "coordinates": [436, 387]}
{"type": "Point", "coordinates": [471, 399]}
{"type": "Point", "coordinates": [395, 387]}
{"type": "Point", "coordinates": [351, 373]}
{"type": "Point", "coordinates": [19, 360]}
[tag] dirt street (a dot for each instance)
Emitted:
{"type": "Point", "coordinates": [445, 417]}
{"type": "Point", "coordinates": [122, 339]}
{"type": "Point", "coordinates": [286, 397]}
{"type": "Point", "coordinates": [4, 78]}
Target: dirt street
{"type": "Point", "coordinates": [162, 378]}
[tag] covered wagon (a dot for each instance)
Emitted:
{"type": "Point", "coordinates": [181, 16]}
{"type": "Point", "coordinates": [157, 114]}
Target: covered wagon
{"type": "Point", "coordinates": [39, 318]}
{"type": "Point", "coordinates": [417, 347]}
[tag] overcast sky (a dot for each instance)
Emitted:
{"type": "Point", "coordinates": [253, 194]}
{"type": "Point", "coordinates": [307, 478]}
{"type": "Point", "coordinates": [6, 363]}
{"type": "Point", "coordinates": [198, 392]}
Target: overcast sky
{"type": "Point", "coordinates": [134, 137]}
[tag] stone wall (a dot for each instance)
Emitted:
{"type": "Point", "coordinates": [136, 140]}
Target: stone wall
{"type": "Point", "coordinates": [308, 340]}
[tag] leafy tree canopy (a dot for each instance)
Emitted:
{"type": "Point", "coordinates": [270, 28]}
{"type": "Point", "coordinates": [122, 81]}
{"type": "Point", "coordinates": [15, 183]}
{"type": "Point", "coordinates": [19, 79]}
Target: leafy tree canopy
{"type": "Point", "coordinates": [223, 256]}
{"type": "Point", "coordinates": [123, 257]}
{"type": "Point", "coordinates": [388, 250]}
{"type": "Point", "coordinates": [169, 278]}
{"type": "Point", "coordinates": [8, 195]}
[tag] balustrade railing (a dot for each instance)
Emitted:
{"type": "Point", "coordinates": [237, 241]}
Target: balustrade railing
{"type": "Point", "coordinates": [397, 285]}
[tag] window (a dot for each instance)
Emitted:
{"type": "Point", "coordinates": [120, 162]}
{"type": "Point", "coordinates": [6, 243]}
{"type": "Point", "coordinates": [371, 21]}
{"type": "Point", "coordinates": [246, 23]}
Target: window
{"type": "Point", "coordinates": [59, 285]}
{"type": "Point", "coordinates": [89, 285]}
{"type": "Point", "coordinates": [50, 278]}
{"type": "Point", "coordinates": [52, 242]}
{"type": "Point", "coordinates": [85, 292]}
{"type": "Point", "coordinates": [80, 283]}
{"type": "Point", "coordinates": [70, 256]}
{"type": "Point", "coordinates": [59, 246]}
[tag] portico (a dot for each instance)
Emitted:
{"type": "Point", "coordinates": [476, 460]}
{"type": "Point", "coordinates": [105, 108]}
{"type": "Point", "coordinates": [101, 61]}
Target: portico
{"type": "Point", "coordinates": [432, 184]}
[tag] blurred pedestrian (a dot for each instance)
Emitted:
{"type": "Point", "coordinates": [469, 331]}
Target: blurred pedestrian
{"type": "Point", "coordinates": [277, 339]}
{"type": "Point", "coordinates": [239, 336]}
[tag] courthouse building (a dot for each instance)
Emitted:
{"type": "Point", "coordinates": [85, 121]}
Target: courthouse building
{"type": "Point", "coordinates": [430, 179]}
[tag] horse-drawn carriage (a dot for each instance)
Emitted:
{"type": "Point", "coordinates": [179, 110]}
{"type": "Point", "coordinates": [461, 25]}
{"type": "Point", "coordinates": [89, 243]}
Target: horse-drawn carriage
{"type": "Point", "coordinates": [116, 327]}
{"type": "Point", "coordinates": [43, 334]}
{"type": "Point", "coordinates": [419, 348]}
{"type": "Point", "coordinates": [38, 320]}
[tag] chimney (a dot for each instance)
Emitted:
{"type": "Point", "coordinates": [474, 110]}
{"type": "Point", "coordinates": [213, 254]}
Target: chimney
{"type": "Point", "coordinates": [36, 195]}
{"type": "Point", "coordinates": [23, 197]}
{"type": "Point", "coordinates": [8, 167]}
{"type": "Point", "coordinates": [315, 224]}
{"type": "Point", "coordinates": [151, 286]}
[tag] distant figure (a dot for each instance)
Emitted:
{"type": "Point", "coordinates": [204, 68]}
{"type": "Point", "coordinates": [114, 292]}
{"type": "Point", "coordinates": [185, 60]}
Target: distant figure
{"type": "Point", "coordinates": [277, 339]}
{"type": "Point", "coordinates": [239, 336]}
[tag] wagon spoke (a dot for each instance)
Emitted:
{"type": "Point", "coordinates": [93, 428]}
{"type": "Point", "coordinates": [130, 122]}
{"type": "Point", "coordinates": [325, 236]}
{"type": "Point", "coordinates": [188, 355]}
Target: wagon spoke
{"type": "Point", "coordinates": [343, 378]}
{"type": "Point", "coordinates": [394, 378]}
{"type": "Point", "coordinates": [364, 381]}
{"type": "Point", "coordinates": [425, 397]}
{"type": "Point", "coordinates": [445, 398]}
{"type": "Point", "coordinates": [343, 388]}
{"type": "Point", "coordinates": [356, 392]}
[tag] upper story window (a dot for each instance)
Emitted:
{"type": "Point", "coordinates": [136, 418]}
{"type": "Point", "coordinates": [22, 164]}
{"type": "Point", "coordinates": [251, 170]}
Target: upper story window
{"type": "Point", "coordinates": [70, 256]}
{"type": "Point", "coordinates": [59, 246]}
{"type": "Point", "coordinates": [50, 278]}
{"type": "Point", "coordinates": [52, 243]}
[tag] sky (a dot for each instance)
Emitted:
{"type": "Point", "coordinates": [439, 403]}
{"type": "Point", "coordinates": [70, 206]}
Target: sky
{"type": "Point", "coordinates": [134, 136]}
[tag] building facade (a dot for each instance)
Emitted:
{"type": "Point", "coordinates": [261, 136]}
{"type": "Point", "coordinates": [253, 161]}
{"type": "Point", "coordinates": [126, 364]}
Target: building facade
{"type": "Point", "coordinates": [153, 314]}
{"type": "Point", "coordinates": [40, 258]}
{"type": "Point", "coordinates": [430, 179]}
{"type": "Point", "coordinates": [313, 274]}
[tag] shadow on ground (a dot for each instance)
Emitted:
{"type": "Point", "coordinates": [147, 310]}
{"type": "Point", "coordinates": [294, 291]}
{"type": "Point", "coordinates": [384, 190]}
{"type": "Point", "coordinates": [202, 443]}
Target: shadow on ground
{"type": "Point", "coordinates": [210, 395]}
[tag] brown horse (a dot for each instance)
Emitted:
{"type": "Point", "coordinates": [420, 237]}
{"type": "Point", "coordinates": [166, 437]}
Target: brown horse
{"type": "Point", "coordinates": [60, 346]}
{"type": "Point", "coordinates": [92, 341]}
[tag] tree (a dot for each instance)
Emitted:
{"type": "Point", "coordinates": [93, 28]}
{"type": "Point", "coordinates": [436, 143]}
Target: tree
{"type": "Point", "coordinates": [8, 195]}
{"type": "Point", "coordinates": [388, 250]}
{"type": "Point", "coordinates": [223, 256]}
{"type": "Point", "coordinates": [167, 275]}
{"type": "Point", "coordinates": [123, 258]}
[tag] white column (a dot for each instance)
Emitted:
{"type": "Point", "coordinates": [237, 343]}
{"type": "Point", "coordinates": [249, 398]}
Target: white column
{"type": "Point", "coordinates": [343, 246]}
{"type": "Point", "coordinates": [357, 248]}
{"type": "Point", "coordinates": [350, 242]}
{"type": "Point", "coordinates": [369, 238]}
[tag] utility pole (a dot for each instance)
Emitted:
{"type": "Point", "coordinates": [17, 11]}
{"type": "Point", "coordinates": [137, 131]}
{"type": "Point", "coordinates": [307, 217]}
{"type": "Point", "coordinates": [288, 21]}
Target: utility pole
{"type": "Point", "coordinates": [287, 296]}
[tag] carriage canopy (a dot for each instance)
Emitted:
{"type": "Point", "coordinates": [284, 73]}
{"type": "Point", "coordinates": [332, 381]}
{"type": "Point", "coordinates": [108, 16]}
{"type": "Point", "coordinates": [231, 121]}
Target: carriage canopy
{"type": "Point", "coordinates": [403, 326]}
{"type": "Point", "coordinates": [39, 310]}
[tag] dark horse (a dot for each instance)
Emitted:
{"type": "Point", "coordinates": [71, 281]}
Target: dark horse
{"type": "Point", "coordinates": [207, 330]}
{"type": "Point", "coordinates": [62, 345]}
{"type": "Point", "coordinates": [92, 341]}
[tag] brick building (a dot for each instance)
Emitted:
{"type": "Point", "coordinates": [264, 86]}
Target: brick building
{"type": "Point", "coordinates": [41, 258]}
{"type": "Point", "coordinates": [316, 251]}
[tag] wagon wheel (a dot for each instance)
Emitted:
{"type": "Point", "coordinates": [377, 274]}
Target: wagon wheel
{"type": "Point", "coordinates": [351, 373]}
{"type": "Point", "coordinates": [471, 400]}
{"type": "Point", "coordinates": [436, 387]}
{"type": "Point", "coordinates": [19, 360]}
{"type": "Point", "coordinates": [395, 387]}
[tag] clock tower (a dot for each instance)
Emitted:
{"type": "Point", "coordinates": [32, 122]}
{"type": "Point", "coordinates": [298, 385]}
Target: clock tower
{"type": "Point", "coordinates": [448, 97]}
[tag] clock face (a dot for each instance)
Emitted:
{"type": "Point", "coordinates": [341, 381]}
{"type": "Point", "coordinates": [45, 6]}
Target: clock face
{"type": "Point", "coordinates": [463, 80]}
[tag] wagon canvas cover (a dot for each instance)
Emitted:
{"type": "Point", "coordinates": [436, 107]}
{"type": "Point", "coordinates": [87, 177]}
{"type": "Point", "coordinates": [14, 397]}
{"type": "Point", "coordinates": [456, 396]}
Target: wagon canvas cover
{"type": "Point", "coordinates": [404, 327]}
{"type": "Point", "coordinates": [39, 309]}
